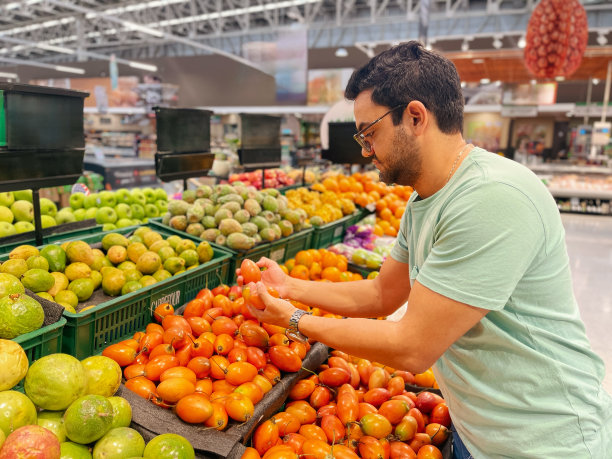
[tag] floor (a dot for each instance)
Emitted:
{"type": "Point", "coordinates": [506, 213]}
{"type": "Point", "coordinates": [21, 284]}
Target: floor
{"type": "Point", "coordinates": [589, 245]}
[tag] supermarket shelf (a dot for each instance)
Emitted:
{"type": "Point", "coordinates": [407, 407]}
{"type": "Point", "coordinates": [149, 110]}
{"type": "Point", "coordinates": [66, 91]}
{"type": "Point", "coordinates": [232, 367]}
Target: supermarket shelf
{"type": "Point", "coordinates": [117, 110]}
{"type": "Point", "coordinates": [585, 194]}
{"type": "Point", "coordinates": [569, 169]}
{"type": "Point", "coordinates": [113, 151]}
{"type": "Point", "coordinates": [281, 109]}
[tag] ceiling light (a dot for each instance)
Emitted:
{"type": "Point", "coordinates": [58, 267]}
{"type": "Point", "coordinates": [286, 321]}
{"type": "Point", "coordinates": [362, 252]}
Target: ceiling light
{"type": "Point", "coordinates": [560, 78]}
{"type": "Point", "coordinates": [463, 84]}
{"type": "Point", "coordinates": [601, 39]}
{"type": "Point", "coordinates": [533, 82]}
{"type": "Point", "coordinates": [522, 42]}
{"type": "Point", "coordinates": [57, 49]}
{"type": "Point", "coordinates": [595, 81]}
{"type": "Point", "coordinates": [142, 28]}
{"type": "Point", "coordinates": [142, 66]}
{"type": "Point", "coordinates": [478, 61]}
{"type": "Point", "coordinates": [497, 43]}
{"type": "Point", "coordinates": [341, 52]}
{"type": "Point", "coordinates": [484, 81]}
{"type": "Point", "coordinates": [498, 83]}
{"type": "Point", "coordinates": [62, 68]}
{"type": "Point", "coordinates": [465, 46]}
{"type": "Point", "coordinates": [10, 76]}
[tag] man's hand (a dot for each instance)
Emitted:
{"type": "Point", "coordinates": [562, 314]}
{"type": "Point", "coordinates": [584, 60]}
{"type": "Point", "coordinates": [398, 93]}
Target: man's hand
{"type": "Point", "coordinates": [272, 276]}
{"type": "Point", "coordinates": [277, 311]}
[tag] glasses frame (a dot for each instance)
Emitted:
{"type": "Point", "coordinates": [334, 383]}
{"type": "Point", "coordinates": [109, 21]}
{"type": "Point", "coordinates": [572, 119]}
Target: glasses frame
{"type": "Point", "coordinates": [360, 138]}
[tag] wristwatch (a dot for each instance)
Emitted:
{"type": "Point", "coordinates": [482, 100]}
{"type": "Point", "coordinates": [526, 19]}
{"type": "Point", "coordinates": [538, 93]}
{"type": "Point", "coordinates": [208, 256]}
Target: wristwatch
{"type": "Point", "coordinates": [292, 331]}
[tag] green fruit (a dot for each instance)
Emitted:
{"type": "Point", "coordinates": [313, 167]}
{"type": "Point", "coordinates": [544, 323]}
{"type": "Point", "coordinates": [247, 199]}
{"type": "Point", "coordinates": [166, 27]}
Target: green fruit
{"type": "Point", "coordinates": [78, 270]}
{"type": "Point", "coordinates": [56, 257]}
{"type": "Point", "coordinates": [70, 450]}
{"type": "Point", "coordinates": [169, 446]}
{"type": "Point", "coordinates": [161, 275]}
{"type": "Point", "coordinates": [53, 421]}
{"type": "Point", "coordinates": [46, 296]}
{"type": "Point", "coordinates": [112, 239]}
{"type": "Point", "coordinates": [16, 410]}
{"type": "Point", "coordinates": [184, 244]}
{"type": "Point", "coordinates": [190, 256]}
{"type": "Point", "coordinates": [37, 280]}
{"type": "Point", "coordinates": [239, 241]}
{"type": "Point", "coordinates": [96, 278]}
{"type": "Point", "coordinates": [132, 275]}
{"type": "Point", "coordinates": [126, 265]}
{"type": "Point", "coordinates": [88, 419]}
{"type": "Point", "coordinates": [316, 221]}
{"type": "Point", "coordinates": [145, 281]}
{"type": "Point", "coordinates": [210, 234]}
{"type": "Point", "coordinates": [113, 281]}
{"type": "Point", "coordinates": [19, 314]}
{"type": "Point", "coordinates": [80, 251]}
{"type": "Point", "coordinates": [119, 443]}
{"type": "Point", "coordinates": [46, 221]}
{"type": "Point", "coordinates": [83, 288]}
{"type": "Point", "coordinates": [100, 262]}
{"type": "Point", "coordinates": [130, 287]}
{"type": "Point", "coordinates": [103, 375]}
{"type": "Point", "coordinates": [148, 262]}
{"type": "Point", "coordinates": [228, 226]}
{"type": "Point", "coordinates": [205, 252]}
{"type": "Point", "coordinates": [173, 241]}
{"type": "Point", "coordinates": [16, 267]}
{"type": "Point", "coordinates": [165, 253]}
{"type": "Point", "coordinates": [24, 252]}
{"type": "Point", "coordinates": [122, 412]}
{"type": "Point", "coordinates": [55, 381]}
{"type": "Point", "coordinates": [67, 297]}
{"type": "Point", "coordinates": [174, 264]}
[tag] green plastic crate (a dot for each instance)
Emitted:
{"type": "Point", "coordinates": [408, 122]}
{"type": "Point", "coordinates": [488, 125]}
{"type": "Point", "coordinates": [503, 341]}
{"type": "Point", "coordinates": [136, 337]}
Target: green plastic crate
{"type": "Point", "coordinates": [363, 270]}
{"type": "Point", "coordinates": [333, 232]}
{"type": "Point", "coordinates": [44, 341]}
{"type": "Point", "coordinates": [279, 251]}
{"type": "Point", "coordinates": [88, 333]}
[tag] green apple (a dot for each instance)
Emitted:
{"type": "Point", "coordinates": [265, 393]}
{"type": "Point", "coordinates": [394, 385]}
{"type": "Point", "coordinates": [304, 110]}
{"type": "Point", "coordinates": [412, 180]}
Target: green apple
{"type": "Point", "coordinates": [23, 227]}
{"type": "Point", "coordinates": [123, 196]}
{"type": "Point", "coordinates": [23, 211]}
{"type": "Point", "coordinates": [77, 200]}
{"type": "Point", "coordinates": [91, 213]}
{"type": "Point", "coordinates": [6, 199]}
{"type": "Point", "coordinates": [123, 210]}
{"type": "Point", "coordinates": [151, 211]}
{"type": "Point", "coordinates": [6, 229]}
{"type": "Point", "coordinates": [123, 223]}
{"type": "Point", "coordinates": [150, 195]}
{"type": "Point", "coordinates": [6, 215]}
{"type": "Point", "coordinates": [23, 195]}
{"type": "Point", "coordinates": [160, 193]}
{"type": "Point", "coordinates": [106, 215]}
{"type": "Point", "coordinates": [47, 220]}
{"type": "Point", "coordinates": [65, 216]}
{"type": "Point", "coordinates": [108, 227]}
{"type": "Point", "coordinates": [136, 222]}
{"type": "Point", "coordinates": [47, 207]}
{"type": "Point", "coordinates": [138, 197]}
{"type": "Point", "coordinates": [107, 199]}
{"type": "Point", "coordinates": [162, 206]}
{"type": "Point", "coordinates": [91, 201]}
{"type": "Point", "coordinates": [80, 214]}
{"type": "Point", "coordinates": [138, 211]}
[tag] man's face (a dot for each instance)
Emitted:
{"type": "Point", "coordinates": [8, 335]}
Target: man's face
{"type": "Point", "coordinates": [395, 153]}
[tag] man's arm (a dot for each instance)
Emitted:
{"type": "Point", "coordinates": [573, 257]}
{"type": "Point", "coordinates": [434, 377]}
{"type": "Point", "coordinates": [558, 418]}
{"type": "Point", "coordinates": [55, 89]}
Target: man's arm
{"type": "Point", "coordinates": [366, 298]}
{"type": "Point", "coordinates": [431, 324]}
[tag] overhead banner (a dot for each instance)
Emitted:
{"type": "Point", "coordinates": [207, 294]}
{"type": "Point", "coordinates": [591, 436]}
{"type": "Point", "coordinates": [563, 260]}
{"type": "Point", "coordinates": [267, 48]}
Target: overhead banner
{"type": "Point", "coordinates": [292, 66]}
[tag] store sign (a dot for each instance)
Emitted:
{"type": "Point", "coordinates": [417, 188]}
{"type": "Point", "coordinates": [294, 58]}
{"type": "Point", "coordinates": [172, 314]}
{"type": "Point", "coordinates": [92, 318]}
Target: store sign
{"type": "Point", "coordinates": [589, 110]}
{"type": "Point", "coordinates": [522, 111]}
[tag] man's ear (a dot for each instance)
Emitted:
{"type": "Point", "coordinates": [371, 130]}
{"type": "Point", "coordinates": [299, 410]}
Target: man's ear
{"type": "Point", "coordinates": [416, 117]}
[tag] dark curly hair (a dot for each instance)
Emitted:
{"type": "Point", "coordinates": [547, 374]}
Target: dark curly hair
{"type": "Point", "coordinates": [409, 72]}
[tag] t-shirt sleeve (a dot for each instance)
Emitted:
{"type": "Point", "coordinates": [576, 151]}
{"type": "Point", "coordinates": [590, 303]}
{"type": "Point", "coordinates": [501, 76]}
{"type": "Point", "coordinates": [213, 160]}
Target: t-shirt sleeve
{"type": "Point", "coordinates": [484, 242]}
{"type": "Point", "coordinates": [399, 251]}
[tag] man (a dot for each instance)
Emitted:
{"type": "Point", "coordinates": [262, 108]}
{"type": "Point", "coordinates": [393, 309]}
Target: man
{"type": "Point", "coordinates": [481, 259]}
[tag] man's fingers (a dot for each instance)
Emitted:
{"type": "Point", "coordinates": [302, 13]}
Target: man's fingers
{"type": "Point", "coordinates": [239, 279]}
{"type": "Point", "coordinates": [254, 312]}
{"type": "Point", "coordinates": [265, 262]}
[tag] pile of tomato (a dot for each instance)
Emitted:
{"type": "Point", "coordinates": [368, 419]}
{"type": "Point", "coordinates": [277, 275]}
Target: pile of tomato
{"type": "Point", "coordinates": [354, 408]}
{"type": "Point", "coordinates": [210, 364]}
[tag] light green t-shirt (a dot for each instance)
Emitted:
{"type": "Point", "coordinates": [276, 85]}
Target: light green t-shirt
{"type": "Point", "coordinates": [524, 381]}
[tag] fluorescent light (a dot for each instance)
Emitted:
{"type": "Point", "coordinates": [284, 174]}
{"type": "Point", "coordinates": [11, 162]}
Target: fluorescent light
{"type": "Point", "coordinates": [497, 43]}
{"type": "Point", "coordinates": [57, 49]}
{"type": "Point", "coordinates": [601, 39]}
{"type": "Point", "coordinates": [522, 42]}
{"type": "Point", "coordinates": [463, 84]}
{"type": "Point", "coordinates": [533, 82]}
{"type": "Point", "coordinates": [478, 61]}
{"type": "Point", "coordinates": [62, 68]}
{"type": "Point", "coordinates": [141, 28]}
{"type": "Point", "coordinates": [498, 83]}
{"type": "Point", "coordinates": [465, 46]}
{"type": "Point", "coordinates": [595, 81]}
{"type": "Point", "coordinates": [485, 81]}
{"type": "Point", "coordinates": [560, 78]}
{"type": "Point", "coordinates": [341, 52]}
{"type": "Point", "coordinates": [142, 66]}
{"type": "Point", "coordinates": [10, 76]}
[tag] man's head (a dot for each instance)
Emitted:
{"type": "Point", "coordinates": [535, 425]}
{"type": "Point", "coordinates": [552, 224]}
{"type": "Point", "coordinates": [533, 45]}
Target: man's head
{"type": "Point", "coordinates": [409, 72]}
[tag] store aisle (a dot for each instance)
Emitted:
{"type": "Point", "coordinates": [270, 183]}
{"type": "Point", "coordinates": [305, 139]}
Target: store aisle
{"type": "Point", "coordinates": [589, 244]}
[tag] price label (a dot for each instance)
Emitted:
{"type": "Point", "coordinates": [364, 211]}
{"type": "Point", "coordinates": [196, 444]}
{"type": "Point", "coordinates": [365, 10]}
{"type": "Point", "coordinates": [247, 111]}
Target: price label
{"type": "Point", "coordinates": [278, 254]}
{"type": "Point", "coordinates": [338, 231]}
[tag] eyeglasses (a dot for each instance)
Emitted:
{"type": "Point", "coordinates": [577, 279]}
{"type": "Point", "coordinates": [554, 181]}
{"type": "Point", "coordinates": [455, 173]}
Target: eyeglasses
{"type": "Point", "coordinates": [360, 137]}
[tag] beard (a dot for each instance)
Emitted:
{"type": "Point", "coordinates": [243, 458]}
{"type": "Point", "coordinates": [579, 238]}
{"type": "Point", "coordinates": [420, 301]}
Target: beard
{"type": "Point", "coordinates": [403, 165]}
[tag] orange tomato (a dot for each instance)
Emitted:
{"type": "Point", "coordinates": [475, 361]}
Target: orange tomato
{"type": "Point", "coordinates": [295, 441]}
{"type": "Point", "coordinates": [286, 422]}
{"type": "Point", "coordinates": [240, 372]}
{"type": "Point", "coordinates": [158, 365]}
{"type": "Point", "coordinates": [266, 436]}
{"type": "Point", "coordinates": [284, 358]}
{"type": "Point", "coordinates": [254, 335]}
{"type": "Point", "coordinates": [194, 408]}
{"type": "Point", "coordinates": [302, 410]}
{"type": "Point", "coordinates": [394, 410]}
{"type": "Point", "coordinates": [313, 432]}
{"type": "Point", "coordinates": [302, 389]}
{"type": "Point", "coordinates": [162, 311]}
{"type": "Point", "coordinates": [331, 273]}
{"type": "Point", "coordinates": [419, 441]}
{"type": "Point", "coordinates": [178, 372]}
{"type": "Point", "coordinates": [333, 428]}
{"type": "Point", "coordinates": [122, 354]}
{"type": "Point", "coordinates": [195, 308]}
{"type": "Point", "coordinates": [201, 366]}
{"type": "Point", "coordinates": [334, 377]}
{"type": "Point", "coordinates": [250, 453]}
{"type": "Point", "coordinates": [224, 343]}
{"type": "Point", "coordinates": [239, 407]}
{"type": "Point", "coordinates": [218, 366]}
{"type": "Point", "coordinates": [406, 429]}
{"type": "Point", "coordinates": [278, 339]}
{"type": "Point", "coordinates": [370, 448]}
{"type": "Point", "coordinates": [250, 390]}
{"type": "Point", "coordinates": [218, 419]}
{"type": "Point", "coordinates": [400, 450]}
{"type": "Point", "coordinates": [440, 415]}
{"type": "Point", "coordinates": [172, 390]}
{"type": "Point", "coordinates": [142, 387]}
{"type": "Point", "coordinates": [224, 325]}
{"type": "Point", "coordinates": [375, 425]}
{"type": "Point", "coordinates": [204, 386]}
{"type": "Point", "coordinates": [437, 432]}
{"type": "Point", "coordinates": [202, 347]}
{"type": "Point", "coordinates": [271, 372]}
{"type": "Point", "coordinates": [250, 271]}
{"type": "Point", "coordinates": [304, 258]}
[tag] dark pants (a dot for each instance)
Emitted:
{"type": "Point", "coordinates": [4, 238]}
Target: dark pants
{"type": "Point", "coordinates": [459, 449]}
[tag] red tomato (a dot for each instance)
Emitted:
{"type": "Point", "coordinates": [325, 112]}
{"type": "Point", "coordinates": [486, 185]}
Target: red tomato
{"type": "Point", "coordinates": [325, 410]}
{"type": "Point", "coordinates": [266, 436]}
{"type": "Point", "coordinates": [333, 428]}
{"type": "Point", "coordinates": [256, 357]}
{"type": "Point", "coordinates": [376, 396]}
{"type": "Point", "coordinates": [254, 335]}
{"type": "Point", "coordinates": [416, 414]}
{"type": "Point", "coordinates": [142, 387]}
{"type": "Point", "coordinates": [163, 310]}
{"type": "Point", "coordinates": [440, 415]}
{"type": "Point", "coordinates": [334, 377]}
{"type": "Point", "coordinates": [205, 293]}
{"type": "Point", "coordinates": [158, 365]}
{"type": "Point", "coordinates": [427, 400]}
{"type": "Point", "coordinates": [122, 354]}
{"type": "Point", "coordinates": [400, 450]}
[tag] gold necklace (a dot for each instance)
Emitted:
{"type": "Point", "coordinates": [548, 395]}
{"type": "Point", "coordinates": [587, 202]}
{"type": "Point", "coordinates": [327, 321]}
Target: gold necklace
{"type": "Point", "coordinates": [455, 163]}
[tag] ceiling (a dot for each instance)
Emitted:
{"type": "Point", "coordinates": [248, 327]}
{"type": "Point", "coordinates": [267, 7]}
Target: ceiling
{"type": "Point", "coordinates": [68, 32]}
